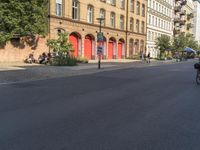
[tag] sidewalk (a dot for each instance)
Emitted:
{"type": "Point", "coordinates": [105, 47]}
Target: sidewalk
{"type": "Point", "coordinates": [21, 72]}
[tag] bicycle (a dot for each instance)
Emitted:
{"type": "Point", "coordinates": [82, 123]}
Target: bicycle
{"type": "Point", "coordinates": [197, 66]}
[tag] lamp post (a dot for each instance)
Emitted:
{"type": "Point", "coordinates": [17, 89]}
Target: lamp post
{"type": "Point", "coordinates": [100, 39]}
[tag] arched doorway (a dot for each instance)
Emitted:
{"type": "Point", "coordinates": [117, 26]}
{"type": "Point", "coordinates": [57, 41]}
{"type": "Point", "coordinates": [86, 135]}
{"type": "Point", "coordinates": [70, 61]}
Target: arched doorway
{"type": "Point", "coordinates": [75, 39]}
{"type": "Point", "coordinates": [137, 46]}
{"type": "Point", "coordinates": [131, 46]}
{"type": "Point", "coordinates": [111, 47]}
{"type": "Point", "coordinates": [89, 46]}
{"type": "Point", "coordinates": [120, 48]}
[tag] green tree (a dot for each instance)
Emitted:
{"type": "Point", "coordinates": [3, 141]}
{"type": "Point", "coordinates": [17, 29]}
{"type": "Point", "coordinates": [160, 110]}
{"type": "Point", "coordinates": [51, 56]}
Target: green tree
{"type": "Point", "coordinates": [63, 47]}
{"type": "Point", "coordinates": [162, 43]}
{"type": "Point", "coordinates": [183, 41]}
{"type": "Point", "coordinates": [21, 18]}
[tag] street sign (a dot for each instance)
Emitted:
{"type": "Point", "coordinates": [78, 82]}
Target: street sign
{"type": "Point", "coordinates": [100, 37]}
{"type": "Point", "coordinates": [99, 50]}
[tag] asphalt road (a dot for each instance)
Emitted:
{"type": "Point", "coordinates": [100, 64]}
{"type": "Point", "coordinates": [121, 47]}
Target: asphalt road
{"type": "Point", "coordinates": [144, 108]}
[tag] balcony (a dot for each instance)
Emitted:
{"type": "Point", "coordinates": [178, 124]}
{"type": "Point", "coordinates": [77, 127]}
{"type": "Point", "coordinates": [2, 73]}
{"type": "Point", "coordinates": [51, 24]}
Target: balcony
{"type": "Point", "coordinates": [184, 2]}
{"type": "Point", "coordinates": [189, 26]}
{"type": "Point", "coordinates": [177, 28]}
{"type": "Point", "coordinates": [183, 12]}
{"type": "Point", "coordinates": [177, 31]}
{"type": "Point", "coordinates": [177, 19]}
{"type": "Point", "coordinates": [190, 16]}
{"type": "Point", "coordinates": [177, 8]}
{"type": "Point", "coordinates": [182, 22]}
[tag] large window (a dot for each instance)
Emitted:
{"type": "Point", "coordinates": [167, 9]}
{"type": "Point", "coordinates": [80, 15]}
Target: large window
{"type": "Point", "coordinates": [143, 10]}
{"type": "Point", "coordinates": [112, 19]}
{"type": "Point", "coordinates": [122, 4]}
{"type": "Point", "coordinates": [132, 5]}
{"type": "Point", "coordinates": [75, 10]}
{"type": "Point", "coordinates": [138, 8]}
{"type": "Point", "coordinates": [137, 26]}
{"type": "Point", "coordinates": [131, 24]}
{"type": "Point", "coordinates": [112, 2]}
{"type": "Point", "coordinates": [122, 22]}
{"type": "Point", "coordinates": [90, 13]}
{"type": "Point", "coordinates": [102, 14]}
{"type": "Point", "coordinates": [142, 27]}
{"type": "Point", "coordinates": [58, 7]}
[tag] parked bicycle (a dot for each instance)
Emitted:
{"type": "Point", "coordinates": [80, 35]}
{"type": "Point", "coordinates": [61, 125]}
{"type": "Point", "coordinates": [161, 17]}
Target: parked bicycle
{"type": "Point", "coordinates": [197, 67]}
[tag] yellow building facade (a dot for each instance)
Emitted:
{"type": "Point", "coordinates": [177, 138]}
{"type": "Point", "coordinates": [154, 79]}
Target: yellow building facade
{"type": "Point", "coordinates": [123, 28]}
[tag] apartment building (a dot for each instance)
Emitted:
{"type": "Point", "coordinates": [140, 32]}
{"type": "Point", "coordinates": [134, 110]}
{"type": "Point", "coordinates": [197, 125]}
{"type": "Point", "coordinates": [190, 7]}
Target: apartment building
{"type": "Point", "coordinates": [124, 27]}
{"type": "Point", "coordinates": [183, 20]}
{"type": "Point", "coordinates": [196, 27]}
{"type": "Point", "coordinates": [159, 22]}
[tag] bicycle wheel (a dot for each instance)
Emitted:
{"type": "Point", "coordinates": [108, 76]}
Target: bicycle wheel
{"type": "Point", "coordinates": [198, 77]}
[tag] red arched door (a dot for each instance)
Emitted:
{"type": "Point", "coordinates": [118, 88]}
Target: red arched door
{"type": "Point", "coordinates": [74, 40]}
{"type": "Point", "coordinates": [120, 50]}
{"type": "Point", "coordinates": [110, 50]}
{"type": "Point", "coordinates": [88, 47]}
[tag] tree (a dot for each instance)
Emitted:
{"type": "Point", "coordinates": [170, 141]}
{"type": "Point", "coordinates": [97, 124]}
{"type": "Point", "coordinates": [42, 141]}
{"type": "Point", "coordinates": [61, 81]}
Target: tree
{"type": "Point", "coordinates": [21, 18]}
{"type": "Point", "coordinates": [63, 47]}
{"type": "Point", "coordinates": [183, 41]}
{"type": "Point", "coordinates": [163, 43]}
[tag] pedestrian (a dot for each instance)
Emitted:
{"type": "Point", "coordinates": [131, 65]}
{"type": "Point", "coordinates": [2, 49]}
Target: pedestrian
{"type": "Point", "coordinates": [148, 57]}
{"type": "Point", "coordinates": [142, 56]}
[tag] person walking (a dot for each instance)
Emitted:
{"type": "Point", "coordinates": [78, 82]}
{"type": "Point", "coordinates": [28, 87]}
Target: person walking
{"type": "Point", "coordinates": [148, 57]}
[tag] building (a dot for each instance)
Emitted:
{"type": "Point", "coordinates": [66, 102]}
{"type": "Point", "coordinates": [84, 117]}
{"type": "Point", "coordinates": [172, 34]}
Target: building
{"type": "Point", "coordinates": [196, 28]}
{"type": "Point", "coordinates": [183, 20]}
{"type": "Point", "coordinates": [124, 27]}
{"type": "Point", "coordinates": [159, 22]}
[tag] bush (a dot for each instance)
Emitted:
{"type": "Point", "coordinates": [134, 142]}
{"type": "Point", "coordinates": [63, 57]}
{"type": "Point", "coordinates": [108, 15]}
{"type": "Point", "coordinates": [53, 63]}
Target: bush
{"type": "Point", "coordinates": [82, 60]}
{"type": "Point", "coordinates": [135, 57]}
{"type": "Point", "coordinates": [63, 61]}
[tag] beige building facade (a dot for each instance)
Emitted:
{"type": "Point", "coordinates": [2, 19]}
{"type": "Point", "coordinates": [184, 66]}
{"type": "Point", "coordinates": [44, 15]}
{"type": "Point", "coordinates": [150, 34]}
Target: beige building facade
{"type": "Point", "coordinates": [124, 27]}
{"type": "Point", "coordinates": [183, 17]}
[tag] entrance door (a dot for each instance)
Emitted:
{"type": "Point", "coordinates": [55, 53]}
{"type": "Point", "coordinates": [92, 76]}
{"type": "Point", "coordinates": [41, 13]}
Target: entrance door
{"type": "Point", "coordinates": [88, 47]}
{"type": "Point", "coordinates": [119, 50]}
{"type": "Point", "coordinates": [74, 40]}
{"type": "Point", "coordinates": [110, 50]}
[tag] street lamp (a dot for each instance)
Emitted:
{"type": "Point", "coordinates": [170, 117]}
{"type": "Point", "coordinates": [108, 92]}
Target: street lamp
{"type": "Point", "coordinates": [100, 39]}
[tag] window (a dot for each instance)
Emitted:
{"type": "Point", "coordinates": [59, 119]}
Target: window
{"type": "Point", "coordinates": [112, 2]}
{"type": "Point", "coordinates": [132, 6]}
{"type": "Point", "coordinates": [102, 15]}
{"type": "Point", "coordinates": [90, 14]}
{"type": "Point", "coordinates": [149, 35]}
{"type": "Point", "coordinates": [121, 22]}
{"type": "Point", "coordinates": [122, 4]}
{"type": "Point", "coordinates": [112, 19]}
{"type": "Point", "coordinates": [58, 7]}
{"type": "Point", "coordinates": [75, 10]}
{"type": "Point", "coordinates": [138, 8]}
{"type": "Point", "coordinates": [149, 19]}
{"type": "Point", "coordinates": [137, 26]}
{"type": "Point", "coordinates": [156, 23]}
{"type": "Point", "coordinates": [152, 20]}
{"type": "Point", "coordinates": [143, 10]}
{"type": "Point", "coordinates": [131, 24]}
{"type": "Point", "coordinates": [153, 4]}
{"type": "Point", "coordinates": [142, 27]}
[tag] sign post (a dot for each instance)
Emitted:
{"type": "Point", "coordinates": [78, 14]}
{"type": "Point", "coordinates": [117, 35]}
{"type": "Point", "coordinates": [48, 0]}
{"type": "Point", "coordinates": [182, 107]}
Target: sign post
{"type": "Point", "coordinates": [100, 40]}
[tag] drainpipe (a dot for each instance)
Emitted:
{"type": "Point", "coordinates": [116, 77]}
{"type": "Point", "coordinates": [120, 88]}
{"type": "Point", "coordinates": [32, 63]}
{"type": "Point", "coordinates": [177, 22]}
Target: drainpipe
{"type": "Point", "coordinates": [49, 11]}
{"type": "Point", "coordinates": [127, 10]}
